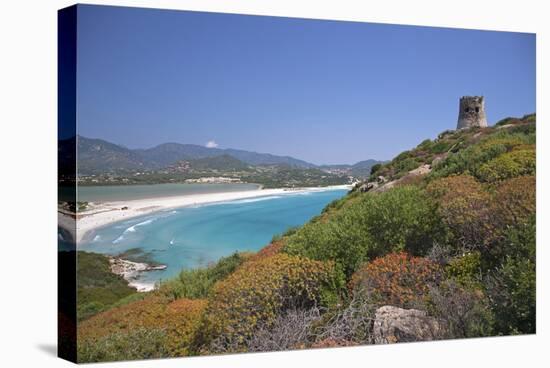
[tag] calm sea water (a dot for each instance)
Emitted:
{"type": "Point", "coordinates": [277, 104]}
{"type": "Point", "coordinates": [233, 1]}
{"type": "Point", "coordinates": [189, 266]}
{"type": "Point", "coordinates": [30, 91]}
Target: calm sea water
{"type": "Point", "coordinates": [197, 236]}
{"type": "Point", "coordinates": [128, 192]}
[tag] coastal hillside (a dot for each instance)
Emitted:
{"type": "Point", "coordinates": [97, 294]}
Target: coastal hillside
{"type": "Point", "coordinates": [437, 243]}
{"type": "Point", "coordinates": [97, 155]}
{"type": "Point", "coordinates": [97, 287]}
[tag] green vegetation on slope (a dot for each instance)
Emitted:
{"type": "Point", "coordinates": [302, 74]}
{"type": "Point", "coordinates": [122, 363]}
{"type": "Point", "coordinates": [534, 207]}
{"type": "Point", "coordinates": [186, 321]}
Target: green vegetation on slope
{"type": "Point", "coordinates": [97, 287]}
{"type": "Point", "coordinates": [369, 226]}
{"type": "Point", "coordinates": [197, 283]}
{"type": "Point", "coordinates": [457, 242]}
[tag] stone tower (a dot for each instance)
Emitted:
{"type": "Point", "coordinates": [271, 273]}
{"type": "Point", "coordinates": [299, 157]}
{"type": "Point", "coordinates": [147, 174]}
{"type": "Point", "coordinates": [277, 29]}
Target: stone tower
{"type": "Point", "coordinates": [471, 113]}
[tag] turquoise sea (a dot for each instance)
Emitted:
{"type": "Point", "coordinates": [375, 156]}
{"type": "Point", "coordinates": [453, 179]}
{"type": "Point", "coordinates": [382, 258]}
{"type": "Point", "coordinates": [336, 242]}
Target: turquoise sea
{"type": "Point", "coordinates": [191, 237]}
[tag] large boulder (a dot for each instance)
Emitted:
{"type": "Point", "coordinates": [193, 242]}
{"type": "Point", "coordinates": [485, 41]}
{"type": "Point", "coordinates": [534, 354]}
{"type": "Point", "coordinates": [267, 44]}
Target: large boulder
{"type": "Point", "coordinates": [368, 186]}
{"type": "Point", "coordinates": [393, 324]}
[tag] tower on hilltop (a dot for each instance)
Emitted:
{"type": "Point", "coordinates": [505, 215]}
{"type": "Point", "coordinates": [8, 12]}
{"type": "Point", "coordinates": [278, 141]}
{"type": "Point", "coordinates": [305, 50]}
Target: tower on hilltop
{"type": "Point", "coordinates": [471, 112]}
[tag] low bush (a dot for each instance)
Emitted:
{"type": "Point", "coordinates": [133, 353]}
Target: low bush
{"type": "Point", "coordinates": [402, 218]}
{"type": "Point", "coordinates": [196, 283]}
{"type": "Point", "coordinates": [464, 207]}
{"type": "Point", "coordinates": [259, 292]}
{"type": "Point", "coordinates": [396, 279]}
{"type": "Point", "coordinates": [514, 202]}
{"type": "Point", "coordinates": [512, 285]}
{"type": "Point", "coordinates": [178, 321]}
{"type": "Point", "coordinates": [507, 121]}
{"type": "Point", "coordinates": [292, 330]}
{"type": "Point", "coordinates": [512, 291]}
{"type": "Point", "coordinates": [466, 270]}
{"type": "Point", "coordinates": [470, 159]}
{"type": "Point", "coordinates": [375, 168]}
{"type": "Point", "coordinates": [509, 165]}
{"type": "Point", "coordinates": [269, 250]}
{"type": "Point", "coordinates": [138, 344]}
{"type": "Point", "coordinates": [344, 238]}
{"type": "Point", "coordinates": [349, 325]}
{"type": "Point", "coordinates": [465, 311]}
{"type": "Point", "coordinates": [404, 166]}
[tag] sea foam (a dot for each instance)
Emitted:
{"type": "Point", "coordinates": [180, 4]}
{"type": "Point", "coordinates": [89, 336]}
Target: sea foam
{"type": "Point", "coordinates": [132, 229]}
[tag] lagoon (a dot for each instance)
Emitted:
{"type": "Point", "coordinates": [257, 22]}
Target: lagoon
{"type": "Point", "coordinates": [105, 193]}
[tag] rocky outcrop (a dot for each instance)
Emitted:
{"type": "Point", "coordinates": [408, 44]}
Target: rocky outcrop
{"type": "Point", "coordinates": [368, 186]}
{"type": "Point", "coordinates": [421, 170]}
{"type": "Point", "coordinates": [131, 271]}
{"type": "Point", "coordinates": [439, 159]}
{"type": "Point", "coordinates": [406, 179]}
{"type": "Point", "coordinates": [393, 324]}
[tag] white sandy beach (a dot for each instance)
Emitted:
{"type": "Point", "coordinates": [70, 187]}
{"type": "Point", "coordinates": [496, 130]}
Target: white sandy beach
{"type": "Point", "coordinates": [106, 213]}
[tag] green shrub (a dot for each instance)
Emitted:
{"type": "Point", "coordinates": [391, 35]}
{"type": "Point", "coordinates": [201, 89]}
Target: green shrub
{"type": "Point", "coordinates": [139, 344]}
{"type": "Point", "coordinates": [509, 165]}
{"type": "Point", "coordinates": [506, 121]}
{"type": "Point", "coordinates": [440, 147]}
{"type": "Point", "coordinates": [514, 203]}
{"type": "Point", "coordinates": [465, 310]}
{"type": "Point", "coordinates": [396, 279]}
{"type": "Point", "coordinates": [425, 144]}
{"type": "Point", "coordinates": [460, 299]}
{"type": "Point", "coordinates": [464, 208]}
{"type": "Point", "coordinates": [512, 290]}
{"type": "Point", "coordinates": [470, 159]}
{"type": "Point", "coordinates": [97, 287]}
{"type": "Point", "coordinates": [178, 320]}
{"type": "Point", "coordinates": [404, 166]}
{"type": "Point", "coordinates": [512, 286]}
{"type": "Point", "coordinates": [260, 291]}
{"type": "Point", "coordinates": [466, 270]}
{"type": "Point", "coordinates": [86, 310]}
{"type": "Point", "coordinates": [402, 218]}
{"type": "Point", "coordinates": [529, 118]}
{"type": "Point", "coordinates": [520, 240]}
{"type": "Point", "coordinates": [344, 238]}
{"type": "Point", "coordinates": [375, 168]}
{"type": "Point", "coordinates": [196, 283]}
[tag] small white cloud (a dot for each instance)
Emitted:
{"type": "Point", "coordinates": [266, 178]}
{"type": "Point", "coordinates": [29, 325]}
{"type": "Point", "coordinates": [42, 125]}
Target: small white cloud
{"type": "Point", "coordinates": [211, 144]}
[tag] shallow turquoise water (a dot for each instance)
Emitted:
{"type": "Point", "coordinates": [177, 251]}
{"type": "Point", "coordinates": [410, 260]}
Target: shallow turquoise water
{"type": "Point", "coordinates": [196, 236]}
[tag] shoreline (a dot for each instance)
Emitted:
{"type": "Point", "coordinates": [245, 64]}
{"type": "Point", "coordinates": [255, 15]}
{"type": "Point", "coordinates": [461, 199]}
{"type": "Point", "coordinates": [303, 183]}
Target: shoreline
{"type": "Point", "coordinates": [105, 213]}
{"type": "Point", "coordinates": [131, 270]}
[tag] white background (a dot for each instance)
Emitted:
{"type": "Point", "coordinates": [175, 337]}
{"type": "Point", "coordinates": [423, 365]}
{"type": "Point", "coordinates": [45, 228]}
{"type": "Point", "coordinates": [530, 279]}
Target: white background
{"type": "Point", "coordinates": [28, 151]}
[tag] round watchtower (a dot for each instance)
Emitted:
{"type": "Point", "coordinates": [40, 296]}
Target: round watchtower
{"type": "Point", "coordinates": [471, 112]}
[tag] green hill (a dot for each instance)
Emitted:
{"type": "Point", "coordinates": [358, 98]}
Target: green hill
{"type": "Point", "coordinates": [222, 163]}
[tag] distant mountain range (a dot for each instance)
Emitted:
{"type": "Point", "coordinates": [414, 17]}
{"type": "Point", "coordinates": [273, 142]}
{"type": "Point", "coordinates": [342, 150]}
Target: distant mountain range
{"type": "Point", "coordinates": [97, 156]}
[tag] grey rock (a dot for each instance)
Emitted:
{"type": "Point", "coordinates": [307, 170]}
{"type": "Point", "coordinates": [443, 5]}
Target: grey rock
{"type": "Point", "coordinates": [393, 324]}
{"type": "Point", "coordinates": [368, 186]}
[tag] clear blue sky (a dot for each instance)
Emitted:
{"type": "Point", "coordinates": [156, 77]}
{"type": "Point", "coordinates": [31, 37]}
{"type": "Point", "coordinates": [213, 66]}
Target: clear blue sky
{"type": "Point", "coordinates": [321, 91]}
